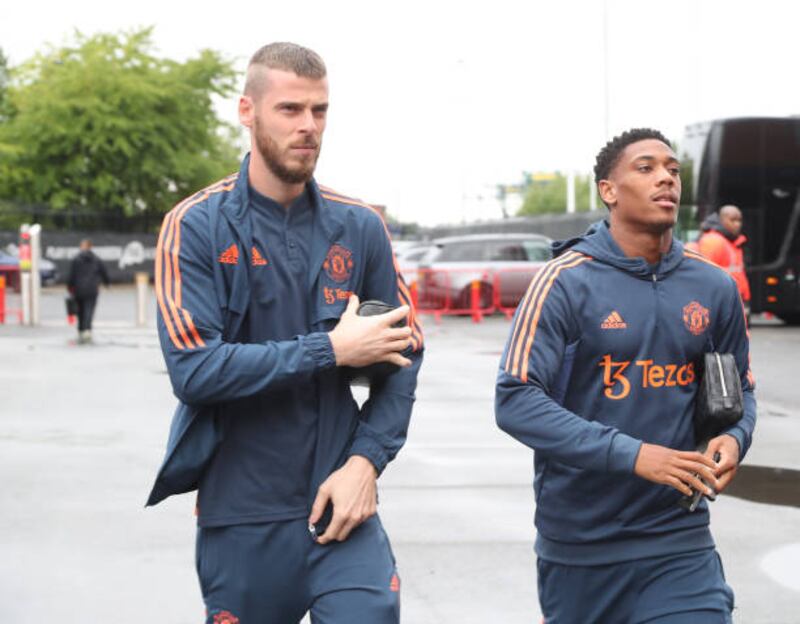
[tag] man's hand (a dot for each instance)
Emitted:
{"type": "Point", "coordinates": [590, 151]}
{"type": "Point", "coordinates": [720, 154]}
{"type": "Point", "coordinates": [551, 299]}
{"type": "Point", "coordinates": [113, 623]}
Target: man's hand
{"type": "Point", "coordinates": [362, 340]}
{"type": "Point", "coordinates": [352, 492]}
{"type": "Point", "coordinates": [728, 448]}
{"type": "Point", "coordinates": [682, 470]}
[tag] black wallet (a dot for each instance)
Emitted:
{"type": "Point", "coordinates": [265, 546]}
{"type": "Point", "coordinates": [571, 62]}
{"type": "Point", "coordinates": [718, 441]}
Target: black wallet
{"type": "Point", "coordinates": [365, 375]}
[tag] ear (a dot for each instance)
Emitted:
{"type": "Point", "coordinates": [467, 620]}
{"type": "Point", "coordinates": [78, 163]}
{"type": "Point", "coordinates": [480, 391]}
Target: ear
{"type": "Point", "coordinates": [247, 111]}
{"type": "Point", "coordinates": [607, 191]}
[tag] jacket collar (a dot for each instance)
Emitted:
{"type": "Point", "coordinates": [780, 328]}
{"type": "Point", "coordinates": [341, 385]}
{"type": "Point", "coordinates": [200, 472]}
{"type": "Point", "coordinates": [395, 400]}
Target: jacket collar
{"type": "Point", "coordinates": [328, 221]}
{"type": "Point", "coordinates": [235, 208]}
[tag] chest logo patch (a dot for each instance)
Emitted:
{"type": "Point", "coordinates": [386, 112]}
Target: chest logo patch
{"type": "Point", "coordinates": [695, 318]}
{"type": "Point", "coordinates": [614, 321]}
{"type": "Point", "coordinates": [338, 263]}
{"type": "Point", "coordinates": [230, 255]}
{"type": "Point", "coordinates": [258, 259]}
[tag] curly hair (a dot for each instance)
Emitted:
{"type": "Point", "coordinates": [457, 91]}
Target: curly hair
{"type": "Point", "coordinates": [608, 156]}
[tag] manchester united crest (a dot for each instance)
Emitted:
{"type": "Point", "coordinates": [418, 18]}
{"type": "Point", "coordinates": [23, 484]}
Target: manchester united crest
{"type": "Point", "coordinates": [696, 318]}
{"type": "Point", "coordinates": [338, 263]}
{"type": "Point", "coordinates": [225, 617]}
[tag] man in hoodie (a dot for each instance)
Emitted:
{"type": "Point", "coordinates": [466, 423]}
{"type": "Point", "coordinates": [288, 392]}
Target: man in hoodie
{"type": "Point", "coordinates": [599, 378]}
{"type": "Point", "coordinates": [722, 241]}
{"type": "Point", "coordinates": [86, 273]}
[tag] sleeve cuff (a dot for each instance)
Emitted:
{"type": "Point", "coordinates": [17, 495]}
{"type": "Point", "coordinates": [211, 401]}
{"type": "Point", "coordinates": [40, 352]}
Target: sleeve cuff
{"type": "Point", "coordinates": [739, 435]}
{"type": "Point", "coordinates": [374, 452]}
{"type": "Point", "coordinates": [320, 349]}
{"type": "Point", "coordinates": [623, 453]}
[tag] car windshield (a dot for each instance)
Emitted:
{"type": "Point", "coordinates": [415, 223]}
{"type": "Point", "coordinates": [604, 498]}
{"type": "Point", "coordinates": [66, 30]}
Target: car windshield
{"type": "Point", "coordinates": [467, 251]}
{"type": "Point", "coordinates": [499, 250]}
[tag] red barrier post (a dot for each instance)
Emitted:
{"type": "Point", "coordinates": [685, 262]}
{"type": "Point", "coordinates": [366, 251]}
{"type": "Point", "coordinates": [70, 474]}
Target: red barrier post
{"type": "Point", "coordinates": [2, 299]}
{"type": "Point", "coordinates": [475, 301]}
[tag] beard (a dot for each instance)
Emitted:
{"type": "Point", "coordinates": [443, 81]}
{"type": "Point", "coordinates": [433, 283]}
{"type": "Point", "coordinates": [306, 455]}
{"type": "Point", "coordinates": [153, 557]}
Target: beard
{"type": "Point", "coordinates": [276, 162]}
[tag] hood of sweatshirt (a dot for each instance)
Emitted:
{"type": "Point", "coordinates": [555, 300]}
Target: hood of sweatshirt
{"type": "Point", "coordinates": [598, 243]}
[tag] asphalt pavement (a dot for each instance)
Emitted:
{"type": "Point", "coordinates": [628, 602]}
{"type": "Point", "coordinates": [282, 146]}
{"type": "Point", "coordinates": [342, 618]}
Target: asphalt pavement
{"type": "Point", "coordinates": [83, 429]}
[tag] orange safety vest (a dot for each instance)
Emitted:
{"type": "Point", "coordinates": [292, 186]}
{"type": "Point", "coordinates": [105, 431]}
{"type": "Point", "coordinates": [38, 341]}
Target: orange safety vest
{"type": "Point", "coordinates": [727, 254]}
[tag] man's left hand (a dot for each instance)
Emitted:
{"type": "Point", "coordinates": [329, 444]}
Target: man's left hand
{"type": "Point", "coordinates": [728, 449]}
{"type": "Point", "coordinates": [352, 491]}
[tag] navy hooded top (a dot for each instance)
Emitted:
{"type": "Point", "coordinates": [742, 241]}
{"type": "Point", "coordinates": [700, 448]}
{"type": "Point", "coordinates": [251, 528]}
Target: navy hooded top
{"type": "Point", "coordinates": [602, 357]}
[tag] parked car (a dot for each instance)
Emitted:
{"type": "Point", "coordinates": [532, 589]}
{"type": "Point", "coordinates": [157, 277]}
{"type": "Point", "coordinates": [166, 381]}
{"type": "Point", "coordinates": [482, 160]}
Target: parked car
{"type": "Point", "coordinates": [502, 265]}
{"type": "Point", "coordinates": [9, 266]}
{"type": "Point", "coordinates": [408, 259]}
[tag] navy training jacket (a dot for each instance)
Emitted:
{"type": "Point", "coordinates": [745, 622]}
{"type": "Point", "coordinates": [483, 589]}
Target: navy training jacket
{"type": "Point", "coordinates": [603, 356]}
{"type": "Point", "coordinates": [203, 261]}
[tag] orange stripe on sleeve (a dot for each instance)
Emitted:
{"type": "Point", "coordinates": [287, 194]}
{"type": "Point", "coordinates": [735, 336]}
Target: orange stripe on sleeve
{"type": "Point", "coordinates": [168, 277]}
{"type": "Point", "coordinates": [540, 303]}
{"type": "Point", "coordinates": [168, 254]}
{"type": "Point", "coordinates": [523, 306]}
{"type": "Point", "coordinates": [160, 280]}
{"type": "Point", "coordinates": [524, 317]}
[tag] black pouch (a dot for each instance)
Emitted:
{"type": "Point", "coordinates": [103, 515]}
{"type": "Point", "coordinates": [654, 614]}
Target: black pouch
{"type": "Point", "coordinates": [365, 375]}
{"type": "Point", "coordinates": [719, 403]}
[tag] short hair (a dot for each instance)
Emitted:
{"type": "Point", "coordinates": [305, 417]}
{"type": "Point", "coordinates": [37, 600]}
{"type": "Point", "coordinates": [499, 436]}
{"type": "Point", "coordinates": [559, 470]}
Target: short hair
{"type": "Point", "coordinates": [285, 56]}
{"type": "Point", "coordinates": [608, 157]}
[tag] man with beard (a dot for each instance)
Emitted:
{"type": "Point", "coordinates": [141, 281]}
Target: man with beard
{"type": "Point", "coordinates": [258, 278]}
{"type": "Point", "coordinates": [599, 378]}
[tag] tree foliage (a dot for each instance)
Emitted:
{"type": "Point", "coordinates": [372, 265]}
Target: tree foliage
{"type": "Point", "coordinates": [4, 104]}
{"type": "Point", "coordinates": [551, 195]}
{"type": "Point", "coordinates": [105, 125]}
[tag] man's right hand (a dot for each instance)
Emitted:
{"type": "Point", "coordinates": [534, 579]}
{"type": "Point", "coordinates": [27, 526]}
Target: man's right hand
{"type": "Point", "coordinates": [362, 340]}
{"type": "Point", "coordinates": [682, 470]}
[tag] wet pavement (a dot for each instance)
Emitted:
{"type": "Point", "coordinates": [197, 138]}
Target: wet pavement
{"type": "Point", "coordinates": [82, 431]}
{"type": "Point", "coordinates": [763, 484]}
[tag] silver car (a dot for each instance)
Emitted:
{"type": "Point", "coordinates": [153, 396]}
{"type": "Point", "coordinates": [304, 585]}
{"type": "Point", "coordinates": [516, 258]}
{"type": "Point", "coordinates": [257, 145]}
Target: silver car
{"type": "Point", "coordinates": [490, 272]}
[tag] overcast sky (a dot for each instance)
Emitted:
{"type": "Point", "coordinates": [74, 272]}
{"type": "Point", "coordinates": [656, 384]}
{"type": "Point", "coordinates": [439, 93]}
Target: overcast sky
{"type": "Point", "coordinates": [434, 103]}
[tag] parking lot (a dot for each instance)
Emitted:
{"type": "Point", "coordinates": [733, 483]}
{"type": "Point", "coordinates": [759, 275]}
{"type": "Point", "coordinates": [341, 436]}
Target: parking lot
{"type": "Point", "coordinates": [82, 432]}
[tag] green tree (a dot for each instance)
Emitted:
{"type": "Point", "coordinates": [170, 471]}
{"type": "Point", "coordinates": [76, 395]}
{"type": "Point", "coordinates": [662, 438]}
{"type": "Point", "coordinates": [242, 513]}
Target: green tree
{"type": "Point", "coordinates": [4, 78]}
{"type": "Point", "coordinates": [104, 125]}
{"type": "Point", "coordinates": [549, 196]}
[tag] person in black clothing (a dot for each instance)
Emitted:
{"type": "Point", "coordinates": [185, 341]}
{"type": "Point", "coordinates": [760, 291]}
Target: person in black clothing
{"type": "Point", "coordinates": [85, 274]}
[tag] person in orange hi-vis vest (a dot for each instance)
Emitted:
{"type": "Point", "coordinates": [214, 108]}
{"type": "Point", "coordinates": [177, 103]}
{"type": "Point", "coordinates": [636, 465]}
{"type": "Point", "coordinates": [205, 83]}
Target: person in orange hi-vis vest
{"type": "Point", "coordinates": [722, 241]}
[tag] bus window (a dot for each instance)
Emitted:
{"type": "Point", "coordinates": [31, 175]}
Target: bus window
{"type": "Point", "coordinates": [739, 166]}
{"type": "Point", "coordinates": [781, 179]}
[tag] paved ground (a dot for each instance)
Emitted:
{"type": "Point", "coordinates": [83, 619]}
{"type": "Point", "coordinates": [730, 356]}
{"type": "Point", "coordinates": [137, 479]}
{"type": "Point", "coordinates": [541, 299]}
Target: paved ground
{"type": "Point", "coordinates": [82, 431]}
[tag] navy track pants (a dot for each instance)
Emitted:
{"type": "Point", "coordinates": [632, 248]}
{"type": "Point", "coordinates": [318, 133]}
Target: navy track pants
{"type": "Point", "coordinates": [274, 573]}
{"type": "Point", "coordinates": [688, 588]}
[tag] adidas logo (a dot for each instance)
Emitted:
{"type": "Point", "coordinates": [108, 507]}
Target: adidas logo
{"type": "Point", "coordinates": [614, 321]}
{"type": "Point", "coordinates": [258, 259]}
{"type": "Point", "coordinates": [230, 255]}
